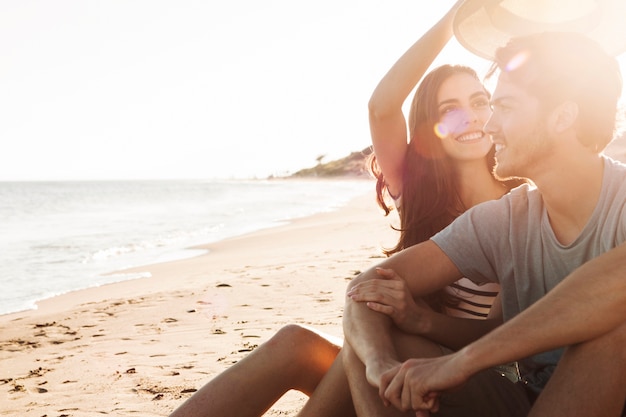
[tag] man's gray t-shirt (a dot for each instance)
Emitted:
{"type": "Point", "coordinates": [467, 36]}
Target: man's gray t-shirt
{"type": "Point", "coordinates": [510, 241]}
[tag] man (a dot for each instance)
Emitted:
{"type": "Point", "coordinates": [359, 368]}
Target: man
{"type": "Point", "coordinates": [556, 249]}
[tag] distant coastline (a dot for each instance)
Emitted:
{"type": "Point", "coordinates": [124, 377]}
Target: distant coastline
{"type": "Point", "coordinates": [352, 166]}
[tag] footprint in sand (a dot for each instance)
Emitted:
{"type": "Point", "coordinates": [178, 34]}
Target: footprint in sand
{"type": "Point", "coordinates": [214, 305]}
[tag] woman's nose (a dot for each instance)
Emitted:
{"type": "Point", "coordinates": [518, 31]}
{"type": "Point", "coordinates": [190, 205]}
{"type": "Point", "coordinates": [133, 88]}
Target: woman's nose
{"type": "Point", "coordinates": [470, 117]}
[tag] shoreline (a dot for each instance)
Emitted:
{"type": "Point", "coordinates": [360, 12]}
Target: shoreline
{"type": "Point", "coordinates": [142, 346]}
{"type": "Point", "coordinates": [105, 267]}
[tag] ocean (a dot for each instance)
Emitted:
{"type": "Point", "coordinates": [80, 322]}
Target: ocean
{"type": "Point", "coordinates": [57, 237]}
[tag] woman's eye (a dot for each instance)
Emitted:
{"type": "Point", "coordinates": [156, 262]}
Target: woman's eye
{"type": "Point", "coordinates": [447, 109]}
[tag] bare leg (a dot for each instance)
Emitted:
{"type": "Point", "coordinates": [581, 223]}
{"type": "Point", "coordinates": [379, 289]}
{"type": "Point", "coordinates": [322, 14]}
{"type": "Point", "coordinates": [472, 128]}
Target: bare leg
{"type": "Point", "coordinates": [294, 358]}
{"type": "Point", "coordinates": [590, 380]}
{"type": "Point", "coordinates": [332, 394]}
{"type": "Point", "coordinates": [365, 397]}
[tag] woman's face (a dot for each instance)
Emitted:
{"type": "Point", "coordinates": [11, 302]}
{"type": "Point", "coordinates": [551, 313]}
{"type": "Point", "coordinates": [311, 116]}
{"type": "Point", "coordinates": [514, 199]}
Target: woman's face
{"type": "Point", "coordinates": [463, 107]}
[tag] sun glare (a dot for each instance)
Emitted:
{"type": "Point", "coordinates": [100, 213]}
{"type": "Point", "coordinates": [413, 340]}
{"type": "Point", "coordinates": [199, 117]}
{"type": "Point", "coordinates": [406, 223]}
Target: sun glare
{"type": "Point", "coordinates": [517, 61]}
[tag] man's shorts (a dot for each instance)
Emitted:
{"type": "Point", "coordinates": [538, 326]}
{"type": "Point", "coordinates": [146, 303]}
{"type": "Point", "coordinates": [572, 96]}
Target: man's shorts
{"type": "Point", "coordinates": [489, 394]}
{"type": "Point", "coordinates": [486, 394]}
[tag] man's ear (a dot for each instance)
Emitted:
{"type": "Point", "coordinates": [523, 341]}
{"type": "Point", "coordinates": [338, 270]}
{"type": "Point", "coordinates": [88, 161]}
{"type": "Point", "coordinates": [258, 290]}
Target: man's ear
{"type": "Point", "coordinates": [564, 116]}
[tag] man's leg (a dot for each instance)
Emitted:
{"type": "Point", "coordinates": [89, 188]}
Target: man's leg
{"type": "Point", "coordinates": [590, 380]}
{"type": "Point", "coordinates": [486, 394]}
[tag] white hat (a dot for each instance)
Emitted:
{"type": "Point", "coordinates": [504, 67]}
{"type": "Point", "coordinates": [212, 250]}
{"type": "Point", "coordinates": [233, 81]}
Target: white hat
{"type": "Point", "coordinates": [482, 26]}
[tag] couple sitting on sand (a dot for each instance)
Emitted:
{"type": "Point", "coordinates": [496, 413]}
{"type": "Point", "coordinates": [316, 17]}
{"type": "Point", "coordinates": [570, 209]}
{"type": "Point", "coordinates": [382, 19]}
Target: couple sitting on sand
{"type": "Point", "coordinates": [533, 276]}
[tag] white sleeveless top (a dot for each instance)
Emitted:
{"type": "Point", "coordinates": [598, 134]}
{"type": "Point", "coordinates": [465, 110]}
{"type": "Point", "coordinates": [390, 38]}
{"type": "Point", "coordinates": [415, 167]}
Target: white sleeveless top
{"type": "Point", "coordinates": [475, 300]}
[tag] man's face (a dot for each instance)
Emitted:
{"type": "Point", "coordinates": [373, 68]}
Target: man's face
{"type": "Point", "coordinates": [518, 131]}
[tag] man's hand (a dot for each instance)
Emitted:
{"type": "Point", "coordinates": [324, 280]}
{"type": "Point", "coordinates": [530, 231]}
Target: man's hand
{"type": "Point", "coordinates": [416, 384]}
{"type": "Point", "coordinates": [390, 295]}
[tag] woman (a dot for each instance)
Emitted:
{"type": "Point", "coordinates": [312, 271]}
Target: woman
{"type": "Point", "coordinates": [455, 172]}
{"type": "Point", "coordinates": [444, 169]}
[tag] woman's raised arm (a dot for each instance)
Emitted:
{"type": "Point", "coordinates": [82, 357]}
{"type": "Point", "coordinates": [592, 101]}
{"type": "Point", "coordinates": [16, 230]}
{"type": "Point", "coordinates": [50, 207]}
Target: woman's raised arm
{"type": "Point", "coordinates": [388, 125]}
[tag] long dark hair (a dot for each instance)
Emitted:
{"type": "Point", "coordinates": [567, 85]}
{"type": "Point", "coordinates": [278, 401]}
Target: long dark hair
{"type": "Point", "coordinates": [430, 190]}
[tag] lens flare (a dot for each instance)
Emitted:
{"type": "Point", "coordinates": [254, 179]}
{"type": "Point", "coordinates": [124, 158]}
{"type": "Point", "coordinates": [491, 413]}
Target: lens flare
{"type": "Point", "coordinates": [441, 130]}
{"type": "Point", "coordinates": [517, 61]}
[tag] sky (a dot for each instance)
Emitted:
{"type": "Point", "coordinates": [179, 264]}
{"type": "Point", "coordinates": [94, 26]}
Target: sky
{"type": "Point", "coordinates": [195, 89]}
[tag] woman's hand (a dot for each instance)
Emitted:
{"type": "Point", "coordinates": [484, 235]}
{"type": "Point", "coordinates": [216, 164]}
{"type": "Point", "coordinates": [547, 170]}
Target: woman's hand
{"type": "Point", "coordinates": [390, 295]}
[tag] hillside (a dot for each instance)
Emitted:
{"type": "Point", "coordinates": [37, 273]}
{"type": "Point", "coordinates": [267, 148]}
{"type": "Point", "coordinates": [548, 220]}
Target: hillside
{"type": "Point", "coordinates": [353, 165]}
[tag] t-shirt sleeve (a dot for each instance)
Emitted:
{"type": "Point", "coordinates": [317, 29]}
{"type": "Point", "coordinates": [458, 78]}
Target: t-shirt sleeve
{"type": "Point", "coordinates": [477, 240]}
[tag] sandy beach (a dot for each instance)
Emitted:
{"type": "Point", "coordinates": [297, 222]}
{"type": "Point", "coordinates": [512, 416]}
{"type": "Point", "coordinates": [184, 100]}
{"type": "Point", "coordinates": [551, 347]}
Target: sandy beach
{"type": "Point", "coordinates": [141, 347]}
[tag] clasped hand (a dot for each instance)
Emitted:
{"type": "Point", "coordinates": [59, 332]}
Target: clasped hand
{"type": "Point", "coordinates": [417, 383]}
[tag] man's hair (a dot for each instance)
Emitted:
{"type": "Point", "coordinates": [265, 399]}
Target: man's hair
{"type": "Point", "coordinates": [556, 67]}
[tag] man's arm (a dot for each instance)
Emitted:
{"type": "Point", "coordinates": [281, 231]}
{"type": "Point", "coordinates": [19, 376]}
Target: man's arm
{"type": "Point", "coordinates": [587, 304]}
{"type": "Point", "coordinates": [425, 268]}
